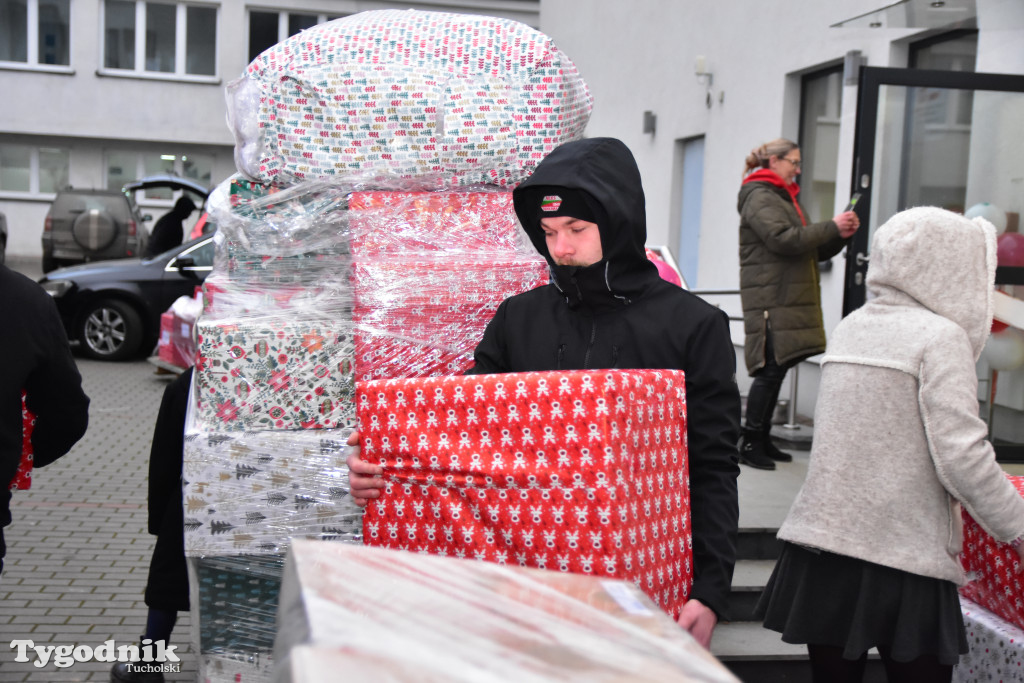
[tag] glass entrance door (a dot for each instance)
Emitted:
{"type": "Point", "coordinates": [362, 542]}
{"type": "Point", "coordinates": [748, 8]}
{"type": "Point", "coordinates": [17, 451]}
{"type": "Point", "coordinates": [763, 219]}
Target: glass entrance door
{"type": "Point", "coordinates": [948, 139]}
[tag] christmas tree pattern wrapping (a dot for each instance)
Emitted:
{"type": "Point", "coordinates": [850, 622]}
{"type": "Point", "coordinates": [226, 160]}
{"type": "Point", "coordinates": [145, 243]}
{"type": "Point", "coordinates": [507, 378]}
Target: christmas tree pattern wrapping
{"type": "Point", "coordinates": [473, 99]}
{"type": "Point", "coordinates": [580, 471]}
{"type": "Point", "coordinates": [271, 373]}
{"type": "Point", "coordinates": [252, 492]}
{"type": "Point", "coordinates": [993, 578]}
{"type": "Point", "coordinates": [380, 614]}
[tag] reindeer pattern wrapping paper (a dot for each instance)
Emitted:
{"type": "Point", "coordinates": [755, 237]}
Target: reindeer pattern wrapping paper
{"type": "Point", "coordinates": [992, 567]}
{"type": "Point", "coordinates": [580, 471]}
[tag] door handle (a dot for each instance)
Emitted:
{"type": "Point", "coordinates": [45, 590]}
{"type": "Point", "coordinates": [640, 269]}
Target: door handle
{"type": "Point", "coordinates": [861, 259]}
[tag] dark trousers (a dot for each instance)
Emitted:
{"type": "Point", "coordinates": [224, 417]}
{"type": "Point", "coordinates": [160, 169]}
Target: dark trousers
{"type": "Point", "coordinates": [764, 392]}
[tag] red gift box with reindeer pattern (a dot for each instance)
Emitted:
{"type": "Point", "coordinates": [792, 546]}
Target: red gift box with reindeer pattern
{"type": "Point", "coordinates": [580, 471]}
{"type": "Point", "coordinates": [992, 567]}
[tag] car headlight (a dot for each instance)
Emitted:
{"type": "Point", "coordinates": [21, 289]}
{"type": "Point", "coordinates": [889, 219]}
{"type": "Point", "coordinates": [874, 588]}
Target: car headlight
{"type": "Point", "coordinates": [57, 288]}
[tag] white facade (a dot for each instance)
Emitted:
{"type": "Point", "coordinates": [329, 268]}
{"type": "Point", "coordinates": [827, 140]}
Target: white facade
{"type": "Point", "coordinates": [99, 118]}
{"type": "Point", "coordinates": [642, 56]}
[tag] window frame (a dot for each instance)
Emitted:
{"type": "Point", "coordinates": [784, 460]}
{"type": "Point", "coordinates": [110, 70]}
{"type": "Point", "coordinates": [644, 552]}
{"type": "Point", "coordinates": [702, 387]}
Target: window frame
{"type": "Point", "coordinates": [32, 62]}
{"type": "Point", "coordinates": [180, 44]}
{"type": "Point", "coordinates": [282, 23]}
{"type": "Point", "coordinates": [33, 191]}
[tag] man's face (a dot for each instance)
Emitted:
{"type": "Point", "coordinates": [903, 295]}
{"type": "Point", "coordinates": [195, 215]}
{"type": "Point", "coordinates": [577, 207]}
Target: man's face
{"type": "Point", "coordinates": [571, 241]}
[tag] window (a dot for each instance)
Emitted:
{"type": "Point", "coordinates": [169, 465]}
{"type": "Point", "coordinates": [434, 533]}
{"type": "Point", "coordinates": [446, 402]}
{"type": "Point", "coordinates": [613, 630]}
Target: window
{"type": "Point", "coordinates": [34, 32]}
{"type": "Point", "coordinates": [124, 166]}
{"type": "Point", "coordinates": [31, 169]}
{"type": "Point", "coordinates": [159, 38]}
{"type": "Point", "coordinates": [268, 28]}
{"type": "Point", "coordinates": [820, 102]}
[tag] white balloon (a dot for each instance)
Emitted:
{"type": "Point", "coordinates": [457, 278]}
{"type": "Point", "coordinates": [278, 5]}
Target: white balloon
{"type": "Point", "coordinates": [990, 212]}
{"type": "Point", "coordinates": [1005, 350]}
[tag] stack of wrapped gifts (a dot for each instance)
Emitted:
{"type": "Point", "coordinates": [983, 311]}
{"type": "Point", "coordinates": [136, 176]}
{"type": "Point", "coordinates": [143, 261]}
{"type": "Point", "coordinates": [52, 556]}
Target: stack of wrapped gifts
{"type": "Point", "coordinates": [369, 233]}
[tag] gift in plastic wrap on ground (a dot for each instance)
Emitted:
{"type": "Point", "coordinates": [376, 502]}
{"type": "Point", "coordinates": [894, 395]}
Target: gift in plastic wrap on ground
{"type": "Point", "coordinates": [366, 614]}
{"type": "Point", "coordinates": [581, 471]}
{"type": "Point", "coordinates": [996, 648]}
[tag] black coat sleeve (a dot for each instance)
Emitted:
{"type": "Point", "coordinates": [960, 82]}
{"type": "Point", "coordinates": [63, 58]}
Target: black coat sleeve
{"type": "Point", "coordinates": [53, 390]}
{"type": "Point", "coordinates": [166, 453]}
{"type": "Point", "coordinates": [713, 420]}
{"type": "Point", "coordinates": [490, 356]}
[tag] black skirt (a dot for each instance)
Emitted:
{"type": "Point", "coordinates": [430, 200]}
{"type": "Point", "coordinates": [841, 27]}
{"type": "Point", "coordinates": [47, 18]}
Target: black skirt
{"type": "Point", "coordinates": [820, 598]}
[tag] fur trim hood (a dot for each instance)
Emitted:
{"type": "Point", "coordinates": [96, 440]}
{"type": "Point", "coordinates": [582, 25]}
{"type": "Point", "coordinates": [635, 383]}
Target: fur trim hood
{"type": "Point", "coordinates": [941, 260]}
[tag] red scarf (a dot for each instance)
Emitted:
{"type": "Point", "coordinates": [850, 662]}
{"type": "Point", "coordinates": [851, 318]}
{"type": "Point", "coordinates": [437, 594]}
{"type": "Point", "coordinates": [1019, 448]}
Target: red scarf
{"type": "Point", "coordinates": [766, 175]}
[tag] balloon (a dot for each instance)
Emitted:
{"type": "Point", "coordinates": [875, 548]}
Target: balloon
{"type": "Point", "coordinates": [1010, 249]}
{"type": "Point", "coordinates": [1005, 350]}
{"type": "Point", "coordinates": [666, 271]}
{"type": "Point", "coordinates": [990, 212]}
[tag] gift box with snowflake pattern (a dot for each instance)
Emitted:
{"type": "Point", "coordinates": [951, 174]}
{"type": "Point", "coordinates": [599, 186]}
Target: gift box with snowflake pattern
{"type": "Point", "coordinates": [580, 471]}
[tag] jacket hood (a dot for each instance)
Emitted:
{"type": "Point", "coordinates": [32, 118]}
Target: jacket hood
{"type": "Point", "coordinates": [606, 172]}
{"type": "Point", "coordinates": [943, 261]}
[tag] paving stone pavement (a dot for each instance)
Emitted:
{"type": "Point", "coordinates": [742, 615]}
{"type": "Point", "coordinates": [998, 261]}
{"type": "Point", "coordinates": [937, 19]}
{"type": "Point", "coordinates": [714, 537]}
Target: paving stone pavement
{"type": "Point", "coordinates": [77, 550]}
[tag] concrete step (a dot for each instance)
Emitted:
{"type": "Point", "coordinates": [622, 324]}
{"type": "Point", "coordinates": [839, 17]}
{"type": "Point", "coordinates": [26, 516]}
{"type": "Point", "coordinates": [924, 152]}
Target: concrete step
{"type": "Point", "coordinates": [748, 582]}
{"type": "Point", "coordinates": [758, 543]}
{"type": "Point", "coordinates": [756, 655]}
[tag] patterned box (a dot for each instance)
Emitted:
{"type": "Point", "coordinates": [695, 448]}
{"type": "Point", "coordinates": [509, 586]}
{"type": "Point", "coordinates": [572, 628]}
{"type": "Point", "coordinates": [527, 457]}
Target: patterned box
{"type": "Point", "coordinates": [22, 479]}
{"type": "Point", "coordinates": [381, 614]}
{"type": "Point", "coordinates": [234, 602]}
{"type": "Point", "coordinates": [176, 345]}
{"type": "Point", "coordinates": [419, 318]}
{"type": "Point", "coordinates": [996, 648]}
{"type": "Point", "coordinates": [582, 471]}
{"type": "Point", "coordinates": [390, 223]}
{"type": "Point", "coordinates": [993, 578]}
{"type": "Point", "coordinates": [475, 99]}
{"type": "Point", "coordinates": [273, 373]}
{"type": "Point", "coordinates": [252, 492]}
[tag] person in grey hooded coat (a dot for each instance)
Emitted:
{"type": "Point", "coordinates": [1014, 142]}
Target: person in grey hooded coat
{"type": "Point", "coordinates": [872, 540]}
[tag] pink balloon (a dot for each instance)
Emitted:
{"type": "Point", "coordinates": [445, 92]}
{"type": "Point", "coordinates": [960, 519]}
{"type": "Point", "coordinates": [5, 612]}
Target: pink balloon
{"type": "Point", "coordinates": [1010, 249]}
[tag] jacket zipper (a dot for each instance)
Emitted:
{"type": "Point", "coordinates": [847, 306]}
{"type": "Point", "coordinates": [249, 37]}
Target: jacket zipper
{"type": "Point", "coordinates": [590, 344]}
{"type": "Point", "coordinates": [561, 355]}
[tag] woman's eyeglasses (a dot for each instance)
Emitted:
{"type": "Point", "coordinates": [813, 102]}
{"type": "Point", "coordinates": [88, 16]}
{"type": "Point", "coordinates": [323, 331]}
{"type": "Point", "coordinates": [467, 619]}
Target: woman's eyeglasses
{"type": "Point", "coordinates": [796, 162]}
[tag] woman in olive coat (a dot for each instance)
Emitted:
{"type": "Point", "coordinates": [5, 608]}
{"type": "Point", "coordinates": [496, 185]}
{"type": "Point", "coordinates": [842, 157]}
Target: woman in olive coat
{"type": "Point", "coordinates": [779, 287]}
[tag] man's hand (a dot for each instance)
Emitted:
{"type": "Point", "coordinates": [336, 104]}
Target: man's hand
{"type": "Point", "coordinates": [363, 478]}
{"type": "Point", "coordinates": [699, 620]}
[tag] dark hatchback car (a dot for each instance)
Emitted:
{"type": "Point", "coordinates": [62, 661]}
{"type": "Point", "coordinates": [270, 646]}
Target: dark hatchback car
{"type": "Point", "coordinates": [113, 308]}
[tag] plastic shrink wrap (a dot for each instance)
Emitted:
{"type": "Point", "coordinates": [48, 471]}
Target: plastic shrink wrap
{"type": "Point", "coordinates": [471, 98]}
{"type": "Point", "coordinates": [369, 233]}
{"type": "Point", "coordinates": [377, 614]}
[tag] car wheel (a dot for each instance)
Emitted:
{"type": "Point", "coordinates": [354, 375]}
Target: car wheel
{"type": "Point", "coordinates": [94, 230]}
{"type": "Point", "coordinates": [110, 330]}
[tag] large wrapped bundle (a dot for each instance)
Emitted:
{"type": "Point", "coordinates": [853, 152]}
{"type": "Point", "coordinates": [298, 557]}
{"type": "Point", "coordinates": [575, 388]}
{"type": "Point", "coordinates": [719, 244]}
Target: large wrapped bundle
{"type": "Point", "coordinates": [993, 570]}
{"type": "Point", "coordinates": [370, 614]}
{"type": "Point", "coordinates": [580, 471]}
{"type": "Point", "coordinates": [994, 644]}
{"type": "Point", "coordinates": [471, 99]}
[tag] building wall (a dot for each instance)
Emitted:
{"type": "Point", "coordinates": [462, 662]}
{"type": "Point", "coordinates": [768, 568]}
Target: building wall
{"type": "Point", "coordinates": [89, 112]}
{"type": "Point", "coordinates": [640, 56]}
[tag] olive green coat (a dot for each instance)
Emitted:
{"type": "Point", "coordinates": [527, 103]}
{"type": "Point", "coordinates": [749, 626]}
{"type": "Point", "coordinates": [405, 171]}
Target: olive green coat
{"type": "Point", "coordinates": [779, 283]}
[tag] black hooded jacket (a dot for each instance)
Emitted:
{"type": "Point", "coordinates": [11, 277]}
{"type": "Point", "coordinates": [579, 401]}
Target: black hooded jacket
{"type": "Point", "coordinates": [618, 313]}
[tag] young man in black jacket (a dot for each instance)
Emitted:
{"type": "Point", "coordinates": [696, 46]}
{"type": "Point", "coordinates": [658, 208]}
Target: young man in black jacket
{"type": "Point", "coordinates": [38, 361]}
{"type": "Point", "coordinates": [607, 307]}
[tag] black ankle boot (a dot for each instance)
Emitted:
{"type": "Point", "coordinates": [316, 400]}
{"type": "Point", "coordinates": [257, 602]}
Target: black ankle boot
{"type": "Point", "coordinates": [752, 450]}
{"type": "Point", "coordinates": [773, 451]}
